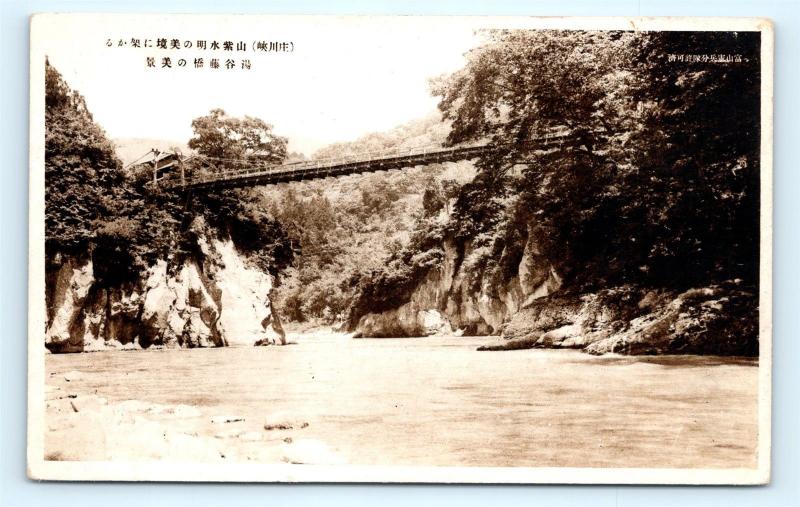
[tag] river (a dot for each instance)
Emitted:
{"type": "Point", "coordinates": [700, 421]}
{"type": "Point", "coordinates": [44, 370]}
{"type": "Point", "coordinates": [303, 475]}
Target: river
{"type": "Point", "coordinates": [419, 401]}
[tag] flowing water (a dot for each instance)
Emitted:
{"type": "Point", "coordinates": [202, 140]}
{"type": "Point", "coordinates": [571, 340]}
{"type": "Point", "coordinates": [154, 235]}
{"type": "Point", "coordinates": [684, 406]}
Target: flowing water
{"type": "Point", "coordinates": [438, 401]}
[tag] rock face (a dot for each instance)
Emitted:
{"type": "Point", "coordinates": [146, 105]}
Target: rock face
{"type": "Point", "coordinates": [530, 310]}
{"type": "Point", "coordinates": [717, 320]}
{"type": "Point", "coordinates": [446, 302]}
{"type": "Point", "coordinates": [214, 300]}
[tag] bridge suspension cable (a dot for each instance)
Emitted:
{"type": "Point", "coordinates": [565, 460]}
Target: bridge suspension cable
{"type": "Point", "coordinates": [249, 173]}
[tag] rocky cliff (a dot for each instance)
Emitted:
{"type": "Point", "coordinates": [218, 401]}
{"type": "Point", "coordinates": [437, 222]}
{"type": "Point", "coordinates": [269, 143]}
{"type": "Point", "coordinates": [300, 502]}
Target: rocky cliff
{"type": "Point", "coordinates": [447, 300]}
{"type": "Point", "coordinates": [719, 319]}
{"type": "Point", "coordinates": [532, 310]}
{"type": "Point", "coordinates": [216, 298]}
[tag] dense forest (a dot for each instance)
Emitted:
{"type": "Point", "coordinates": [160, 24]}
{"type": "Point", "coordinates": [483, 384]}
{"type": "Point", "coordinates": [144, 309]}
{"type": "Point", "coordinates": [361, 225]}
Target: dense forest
{"type": "Point", "coordinates": [97, 208]}
{"type": "Point", "coordinates": [347, 227]}
{"type": "Point", "coordinates": [657, 188]}
{"type": "Point", "coordinates": [661, 190]}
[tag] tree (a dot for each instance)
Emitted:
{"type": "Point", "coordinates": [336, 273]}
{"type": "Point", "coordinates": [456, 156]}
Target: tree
{"type": "Point", "coordinates": [659, 186]}
{"type": "Point", "coordinates": [220, 136]}
{"type": "Point", "coordinates": [228, 143]}
{"type": "Point", "coordinates": [94, 208]}
{"type": "Point", "coordinates": [83, 176]}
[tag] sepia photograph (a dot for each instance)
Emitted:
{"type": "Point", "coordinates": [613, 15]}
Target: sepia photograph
{"type": "Point", "coordinates": [400, 249]}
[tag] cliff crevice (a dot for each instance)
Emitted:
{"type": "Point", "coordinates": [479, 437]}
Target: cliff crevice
{"type": "Point", "coordinates": [210, 300]}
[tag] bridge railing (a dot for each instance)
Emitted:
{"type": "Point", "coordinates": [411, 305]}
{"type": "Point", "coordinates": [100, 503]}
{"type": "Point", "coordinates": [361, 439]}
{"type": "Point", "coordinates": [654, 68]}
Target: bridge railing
{"type": "Point", "coordinates": [361, 157]}
{"type": "Point", "coordinates": [342, 161]}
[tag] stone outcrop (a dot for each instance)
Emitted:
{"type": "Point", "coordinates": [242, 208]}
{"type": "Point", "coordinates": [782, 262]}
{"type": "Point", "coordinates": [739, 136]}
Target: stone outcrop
{"type": "Point", "coordinates": [530, 310]}
{"type": "Point", "coordinates": [715, 320]}
{"type": "Point", "coordinates": [446, 301]}
{"type": "Point", "coordinates": [215, 299]}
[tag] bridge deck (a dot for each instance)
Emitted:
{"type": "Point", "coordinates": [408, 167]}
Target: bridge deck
{"type": "Point", "coordinates": [369, 162]}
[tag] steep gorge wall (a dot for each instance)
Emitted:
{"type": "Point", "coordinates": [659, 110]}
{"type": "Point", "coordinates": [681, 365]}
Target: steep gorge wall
{"type": "Point", "coordinates": [533, 310]}
{"type": "Point", "coordinates": [216, 300]}
{"type": "Point", "coordinates": [446, 302]}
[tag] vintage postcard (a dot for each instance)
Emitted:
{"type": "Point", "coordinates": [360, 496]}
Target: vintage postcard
{"type": "Point", "coordinates": [400, 249]}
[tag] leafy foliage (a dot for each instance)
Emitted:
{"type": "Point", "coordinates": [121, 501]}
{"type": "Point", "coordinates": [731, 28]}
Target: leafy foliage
{"type": "Point", "coordinates": [96, 208]}
{"type": "Point", "coordinates": [661, 184]}
{"type": "Point", "coordinates": [350, 229]}
{"type": "Point", "coordinates": [391, 285]}
{"type": "Point", "coordinates": [226, 143]}
{"type": "Point", "coordinates": [658, 185]}
{"type": "Point", "coordinates": [82, 173]}
{"type": "Point", "coordinates": [223, 137]}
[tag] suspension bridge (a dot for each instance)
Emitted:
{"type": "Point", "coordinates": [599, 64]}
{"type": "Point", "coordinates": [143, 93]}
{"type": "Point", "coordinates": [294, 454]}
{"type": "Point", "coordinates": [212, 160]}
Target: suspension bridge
{"type": "Point", "coordinates": [169, 171]}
